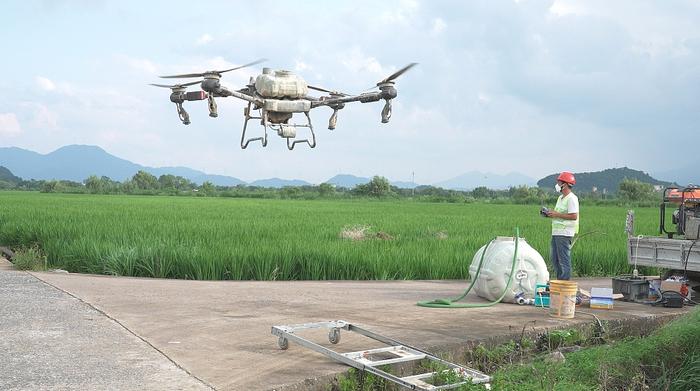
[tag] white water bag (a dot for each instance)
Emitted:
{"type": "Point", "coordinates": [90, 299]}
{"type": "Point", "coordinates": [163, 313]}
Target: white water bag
{"type": "Point", "coordinates": [530, 269]}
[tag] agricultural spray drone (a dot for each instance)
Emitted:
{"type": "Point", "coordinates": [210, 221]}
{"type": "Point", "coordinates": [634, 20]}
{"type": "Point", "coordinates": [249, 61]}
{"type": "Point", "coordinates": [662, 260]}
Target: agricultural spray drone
{"type": "Point", "coordinates": [276, 96]}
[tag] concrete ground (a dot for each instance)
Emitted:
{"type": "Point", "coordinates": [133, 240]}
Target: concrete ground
{"type": "Point", "coordinates": [68, 331]}
{"type": "Point", "coordinates": [50, 340]}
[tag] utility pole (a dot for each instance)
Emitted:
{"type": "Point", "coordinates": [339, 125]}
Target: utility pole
{"type": "Point", "coordinates": [413, 183]}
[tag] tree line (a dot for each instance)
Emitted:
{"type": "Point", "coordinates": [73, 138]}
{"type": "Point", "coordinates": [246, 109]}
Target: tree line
{"type": "Point", "coordinates": [144, 183]}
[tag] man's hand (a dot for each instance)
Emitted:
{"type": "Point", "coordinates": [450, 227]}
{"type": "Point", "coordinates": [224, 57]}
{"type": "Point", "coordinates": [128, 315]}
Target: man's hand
{"type": "Point", "coordinates": [564, 216]}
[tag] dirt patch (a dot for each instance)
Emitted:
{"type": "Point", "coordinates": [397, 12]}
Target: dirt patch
{"type": "Point", "coordinates": [355, 232]}
{"type": "Point", "coordinates": [362, 232]}
{"type": "Point", "coordinates": [383, 236]}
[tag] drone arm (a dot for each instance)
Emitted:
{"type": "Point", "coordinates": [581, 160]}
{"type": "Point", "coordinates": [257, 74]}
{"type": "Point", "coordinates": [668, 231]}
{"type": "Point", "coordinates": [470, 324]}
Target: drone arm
{"type": "Point", "coordinates": [223, 92]}
{"type": "Point", "coordinates": [387, 92]}
{"type": "Point", "coordinates": [363, 98]}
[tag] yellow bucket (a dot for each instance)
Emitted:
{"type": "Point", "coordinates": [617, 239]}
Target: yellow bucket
{"type": "Point", "coordinates": [562, 298]}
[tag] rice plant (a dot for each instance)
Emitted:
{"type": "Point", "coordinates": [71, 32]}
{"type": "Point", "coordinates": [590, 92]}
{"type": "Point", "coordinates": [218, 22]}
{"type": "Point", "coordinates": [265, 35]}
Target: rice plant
{"type": "Point", "coordinates": [256, 239]}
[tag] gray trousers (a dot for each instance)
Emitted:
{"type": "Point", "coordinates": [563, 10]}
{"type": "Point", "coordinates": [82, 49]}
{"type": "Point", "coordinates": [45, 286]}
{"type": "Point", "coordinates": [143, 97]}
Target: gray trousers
{"type": "Point", "coordinates": [561, 256]}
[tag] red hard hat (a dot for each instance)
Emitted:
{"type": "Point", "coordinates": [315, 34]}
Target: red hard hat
{"type": "Point", "coordinates": [567, 177]}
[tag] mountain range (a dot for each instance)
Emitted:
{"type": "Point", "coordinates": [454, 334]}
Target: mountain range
{"type": "Point", "coordinates": [473, 179]}
{"type": "Point", "coordinates": [606, 181]}
{"type": "Point", "coordinates": [78, 162]}
{"type": "Point", "coordinates": [7, 176]}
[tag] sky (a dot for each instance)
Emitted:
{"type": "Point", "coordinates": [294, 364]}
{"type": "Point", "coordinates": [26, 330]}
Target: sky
{"type": "Point", "coordinates": [534, 87]}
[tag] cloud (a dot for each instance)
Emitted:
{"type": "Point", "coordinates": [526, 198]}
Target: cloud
{"type": "Point", "coordinates": [44, 83]}
{"type": "Point", "coordinates": [439, 26]}
{"type": "Point", "coordinates": [42, 117]}
{"type": "Point", "coordinates": [358, 62]}
{"type": "Point", "coordinates": [9, 126]}
{"type": "Point", "coordinates": [561, 8]}
{"type": "Point", "coordinates": [139, 64]}
{"type": "Point", "coordinates": [204, 39]}
{"type": "Point", "coordinates": [219, 62]}
{"type": "Point", "coordinates": [496, 78]}
{"type": "Point", "coordinates": [301, 66]}
{"type": "Point", "coordinates": [483, 98]}
{"type": "Point", "coordinates": [404, 13]}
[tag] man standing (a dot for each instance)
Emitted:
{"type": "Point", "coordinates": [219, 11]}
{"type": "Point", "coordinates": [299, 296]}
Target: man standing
{"type": "Point", "coordinates": [564, 225]}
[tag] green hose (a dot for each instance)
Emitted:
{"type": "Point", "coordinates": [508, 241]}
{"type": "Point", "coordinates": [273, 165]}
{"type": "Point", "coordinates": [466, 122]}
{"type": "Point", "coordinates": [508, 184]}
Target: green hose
{"type": "Point", "coordinates": [450, 303]}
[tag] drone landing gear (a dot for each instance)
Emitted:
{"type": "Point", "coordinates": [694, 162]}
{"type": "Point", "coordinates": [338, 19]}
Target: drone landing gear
{"type": "Point", "coordinates": [212, 106]}
{"type": "Point", "coordinates": [386, 111]}
{"type": "Point", "coordinates": [290, 131]}
{"type": "Point", "coordinates": [184, 117]}
{"type": "Point", "coordinates": [287, 131]}
{"type": "Point", "coordinates": [263, 118]}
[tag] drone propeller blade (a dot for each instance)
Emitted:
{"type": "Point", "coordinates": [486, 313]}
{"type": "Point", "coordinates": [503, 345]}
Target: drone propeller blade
{"type": "Point", "coordinates": [177, 85]}
{"type": "Point", "coordinates": [393, 76]}
{"type": "Point", "coordinates": [186, 75]}
{"type": "Point", "coordinates": [398, 73]}
{"type": "Point", "coordinates": [245, 65]}
{"type": "Point", "coordinates": [328, 91]}
{"type": "Point", "coordinates": [191, 83]}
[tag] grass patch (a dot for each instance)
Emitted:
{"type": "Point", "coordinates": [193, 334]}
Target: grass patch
{"type": "Point", "coordinates": [668, 359]}
{"type": "Point", "coordinates": [29, 258]}
{"type": "Point", "coordinates": [356, 380]}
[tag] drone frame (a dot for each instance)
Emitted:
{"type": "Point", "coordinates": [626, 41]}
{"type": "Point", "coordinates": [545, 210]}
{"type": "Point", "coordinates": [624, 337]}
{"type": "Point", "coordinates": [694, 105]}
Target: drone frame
{"type": "Point", "coordinates": [273, 114]}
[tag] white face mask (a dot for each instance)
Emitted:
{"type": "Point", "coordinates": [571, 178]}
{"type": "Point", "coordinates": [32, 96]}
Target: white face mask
{"type": "Point", "coordinates": [557, 187]}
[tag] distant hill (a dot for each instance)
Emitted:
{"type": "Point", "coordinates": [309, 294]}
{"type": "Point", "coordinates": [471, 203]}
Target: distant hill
{"type": "Point", "coordinates": [689, 174]}
{"type": "Point", "coordinates": [608, 180]}
{"type": "Point", "coordinates": [279, 183]}
{"type": "Point", "coordinates": [404, 185]}
{"type": "Point", "coordinates": [350, 181]}
{"type": "Point", "coordinates": [7, 176]}
{"type": "Point", "coordinates": [219, 180]}
{"type": "Point", "coordinates": [78, 162]}
{"type": "Point", "coordinates": [347, 180]}
{"type": "Point", "coordinates": [473, 179]}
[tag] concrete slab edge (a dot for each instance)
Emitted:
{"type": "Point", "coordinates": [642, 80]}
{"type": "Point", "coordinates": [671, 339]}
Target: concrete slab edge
{"type": "Point", "coordinates": [5, 264]}
{"type": "Point", "coordinates": [127, 329]}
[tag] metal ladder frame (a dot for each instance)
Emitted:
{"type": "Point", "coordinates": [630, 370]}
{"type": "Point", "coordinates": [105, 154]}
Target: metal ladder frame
{"type": "Point", "coordinates": [362, 361]}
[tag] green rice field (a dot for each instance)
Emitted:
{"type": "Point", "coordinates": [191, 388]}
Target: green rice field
{"type": "Point", "coordinates": [248, 239]}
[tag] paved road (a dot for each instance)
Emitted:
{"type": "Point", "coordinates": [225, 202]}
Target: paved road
{"type": "Point", "coordinates": [50, 340]}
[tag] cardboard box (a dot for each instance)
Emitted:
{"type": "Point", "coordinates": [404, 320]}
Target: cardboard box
{"type": "Point", "coordinates": [601, 304]}
{"type": "Point", "coordinates": [603, 293]}
{"type": "Point", "coordinates": [671, 286]}
{"type": "Point", "coordinates": [602, 298]}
